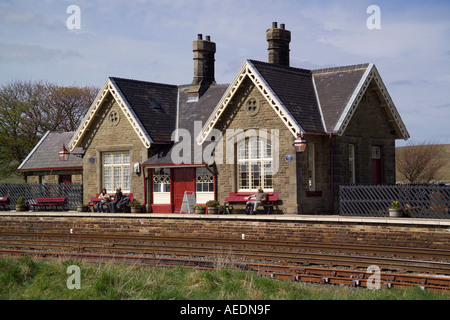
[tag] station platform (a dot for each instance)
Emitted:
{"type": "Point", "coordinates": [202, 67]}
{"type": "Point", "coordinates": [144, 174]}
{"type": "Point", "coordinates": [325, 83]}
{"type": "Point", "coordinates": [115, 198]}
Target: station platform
{"type": "Point", "coordinates": [262, 217]}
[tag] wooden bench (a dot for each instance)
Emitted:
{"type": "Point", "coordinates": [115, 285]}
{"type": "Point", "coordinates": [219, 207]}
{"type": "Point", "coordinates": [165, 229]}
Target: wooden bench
{"type": "Point", "coordinates": [94, 200]}
{"type": "Point", "coordinates": [239, 199]}
{"type": "Point", "coordinates": [47, 202]}
{"type": "Point", "coordinates": [3, 202]}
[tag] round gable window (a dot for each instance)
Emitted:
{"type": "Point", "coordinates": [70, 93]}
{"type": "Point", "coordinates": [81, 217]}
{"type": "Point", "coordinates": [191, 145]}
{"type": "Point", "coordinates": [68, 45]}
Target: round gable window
{"type": "Point", "coordinates": [252, 107]}
{"type": "Point", "coordinates": [114, 118]}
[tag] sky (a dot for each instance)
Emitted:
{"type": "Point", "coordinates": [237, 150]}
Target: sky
{"type": "Point", "coordinates": [408, 41]}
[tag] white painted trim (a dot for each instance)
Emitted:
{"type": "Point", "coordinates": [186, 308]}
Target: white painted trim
{"type": "Point", "coordinates": [353, 102]}
{"type": "Point", "coordinates": [110, 87]}
{"type": "Point", "coordinates": [318, 103]}
{"type": "Point", "coordinates": [34, 150]}
{"type": "Point", "coordinates": [390, 104]}
{"type": "Point", "coordinates": [131, 116]}
{"type": "Point", "coordinates": [276, 103]}
{"type": "Point", "coordinates": [370, 74]}
{"type": "Point", "coordinates": [249, 70]}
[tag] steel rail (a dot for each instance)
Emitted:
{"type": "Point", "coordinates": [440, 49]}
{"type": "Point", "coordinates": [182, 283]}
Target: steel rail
{"type": "Point", "coordinates": [246, 253]}
{"type": "Point", "coordinates": [428, 253]}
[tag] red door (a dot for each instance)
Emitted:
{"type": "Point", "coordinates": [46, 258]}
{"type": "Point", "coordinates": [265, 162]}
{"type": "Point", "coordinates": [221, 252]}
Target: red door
{"type": "Point", "coordinates": [376, 165]}
{"type": "Point", "coordinates": [183, 180]}
{"type": "Point", "coordinates": [65, 179]}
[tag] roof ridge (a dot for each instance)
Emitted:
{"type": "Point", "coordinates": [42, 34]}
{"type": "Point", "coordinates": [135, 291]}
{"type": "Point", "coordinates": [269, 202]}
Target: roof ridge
{"type": "Point", "coordinates": [279, 66]}
{"type": "Point", "coordinates": [341, 68]}
{"type": "Point", "coordinates": [143, 81]}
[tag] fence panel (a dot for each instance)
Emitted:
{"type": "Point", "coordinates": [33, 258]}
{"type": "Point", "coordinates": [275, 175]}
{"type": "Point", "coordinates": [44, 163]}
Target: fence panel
{"type": "Point", "coordinates": [73, 192]}
{"type": "Point", "coordinates": [417, 201]}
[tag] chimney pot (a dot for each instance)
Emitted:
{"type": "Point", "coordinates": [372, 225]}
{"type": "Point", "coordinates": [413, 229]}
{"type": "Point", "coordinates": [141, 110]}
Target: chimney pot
{"type": "Point", "coordinates": [278, 40]}
{"type": "Point", "coordinates": [204, 51]}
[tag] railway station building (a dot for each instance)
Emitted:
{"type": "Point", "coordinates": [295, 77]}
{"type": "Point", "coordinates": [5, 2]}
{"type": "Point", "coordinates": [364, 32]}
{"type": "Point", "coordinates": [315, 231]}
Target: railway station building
{"type": "Point", "coordinates": [159, 141]}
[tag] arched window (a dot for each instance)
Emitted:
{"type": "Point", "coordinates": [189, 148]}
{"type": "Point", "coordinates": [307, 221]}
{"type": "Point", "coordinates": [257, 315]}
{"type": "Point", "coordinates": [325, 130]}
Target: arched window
{"type": "Point", "coordinates": [254, 161]}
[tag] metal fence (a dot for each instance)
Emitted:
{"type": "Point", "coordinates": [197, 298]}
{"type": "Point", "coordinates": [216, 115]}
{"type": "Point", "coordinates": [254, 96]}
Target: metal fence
{"type": "Point", "coordinates": [417, 201]}
{"type": "Point", "coordinates": [73, 192]}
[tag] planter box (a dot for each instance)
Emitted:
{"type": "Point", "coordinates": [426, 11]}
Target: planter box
{"type": "Point", "coordinates": [213, 210]}
{"type": "Point", "coordinates": [395, 212]}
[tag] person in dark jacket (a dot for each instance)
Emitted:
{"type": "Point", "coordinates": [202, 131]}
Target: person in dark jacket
{"type": "Point", "coordinates": [113, 205]}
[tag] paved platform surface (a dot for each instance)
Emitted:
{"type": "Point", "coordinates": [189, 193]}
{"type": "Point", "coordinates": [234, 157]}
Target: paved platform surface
{"type": "Point", "coordinates": [280, 217]}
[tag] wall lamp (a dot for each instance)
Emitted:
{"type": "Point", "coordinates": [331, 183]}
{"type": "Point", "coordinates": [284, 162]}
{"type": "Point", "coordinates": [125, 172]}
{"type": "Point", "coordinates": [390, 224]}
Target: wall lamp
{"type": "Point", "coordinates": [64, 154]}
{"type": "Point", "coordinates": [300, 143]}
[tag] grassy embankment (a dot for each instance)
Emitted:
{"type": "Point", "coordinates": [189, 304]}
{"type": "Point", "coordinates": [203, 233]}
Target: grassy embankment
{"type": "Point", "coordinates": [29, 279]}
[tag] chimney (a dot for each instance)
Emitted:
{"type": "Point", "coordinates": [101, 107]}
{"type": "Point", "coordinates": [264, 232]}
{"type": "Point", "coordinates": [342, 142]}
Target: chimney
{"type": "Point", "coordinates": [204, 51]}
{"type": "Point", "coordinates": [278, 39]}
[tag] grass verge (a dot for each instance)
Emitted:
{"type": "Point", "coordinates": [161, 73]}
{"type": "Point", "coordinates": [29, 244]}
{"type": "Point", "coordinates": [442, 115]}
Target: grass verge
{"type": "Point", "coordinates": [29, 279]}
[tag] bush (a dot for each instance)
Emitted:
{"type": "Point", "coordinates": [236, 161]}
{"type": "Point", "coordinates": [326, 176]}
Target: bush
{"type": "Point", "coordinates": [212, 203]}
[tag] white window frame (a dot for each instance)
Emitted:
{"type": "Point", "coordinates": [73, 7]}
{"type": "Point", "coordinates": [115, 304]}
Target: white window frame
{"type": "Point", "coordinates": [204, 185]}
{"type": "Point", "coordinates": [255, 154]}
{"type": "Point", "coordinates": [161, 185]}
{"type": "Point", "coordinates": [116, 171]}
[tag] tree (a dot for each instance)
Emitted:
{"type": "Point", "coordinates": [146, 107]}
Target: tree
{"type": "Point", "coordinates": [420, 163]}
{"type": "Point", "coordinates": [28, 110]}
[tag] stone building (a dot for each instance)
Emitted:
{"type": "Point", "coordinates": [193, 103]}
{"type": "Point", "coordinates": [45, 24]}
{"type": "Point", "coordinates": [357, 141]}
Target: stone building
{"type": "Point", "coordinates": [158, 141]}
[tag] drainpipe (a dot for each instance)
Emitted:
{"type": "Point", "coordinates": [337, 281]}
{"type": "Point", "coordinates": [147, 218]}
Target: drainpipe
{"type": "Point", "coordinates": [145, 185]}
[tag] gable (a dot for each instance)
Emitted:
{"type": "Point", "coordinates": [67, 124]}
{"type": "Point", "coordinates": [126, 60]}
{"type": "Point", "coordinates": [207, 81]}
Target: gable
{"type": "Point", "coordinates": [340, 91]}
{"type": "Point", "coordinates": [294, 87]}
{"type": "Point", "coordinates": [149, 108]}
{"type": "Point", "coordinates": [154, 105]}
{"type": "Point", "coordinates": [249, 71]}
{"type": "Point", "coordinates": [335, 88]}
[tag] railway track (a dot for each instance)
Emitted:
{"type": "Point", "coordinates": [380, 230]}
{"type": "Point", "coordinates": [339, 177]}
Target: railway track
{"type": "Point", "coordinates": [276, 259]}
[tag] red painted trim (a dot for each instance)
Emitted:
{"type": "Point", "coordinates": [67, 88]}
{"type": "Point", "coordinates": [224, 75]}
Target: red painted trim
{"type": "Point", "coordinates": [145, 185]}
{"type": "Point", "coordinates": [173, 165]}
{"type": "Point", "coordinates": [172, 193]}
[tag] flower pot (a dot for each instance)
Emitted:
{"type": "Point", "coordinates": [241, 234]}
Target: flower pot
{"type": "Point", "coordinates": [21, 208]}
{"type": "Point", "coordinates": [395, 212]}
{"type": "Point", "coordinates": [81, 208]}
{"type": "Point", "coordinates": [213, 210]}
{"type": "Point", "coordinates": [200, 210]}
{"type": "Point", "coordinates": [136, 210]}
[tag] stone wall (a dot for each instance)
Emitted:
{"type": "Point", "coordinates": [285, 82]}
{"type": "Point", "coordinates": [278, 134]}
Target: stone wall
{"type": "Point", "coordinates": [53, 176]}
{"type": "Point", "coordinates": [106, 136]}
{"type": "Point", "coordinates": [235, 117]}
{"type": "Point", "coordinates": [387, 234]}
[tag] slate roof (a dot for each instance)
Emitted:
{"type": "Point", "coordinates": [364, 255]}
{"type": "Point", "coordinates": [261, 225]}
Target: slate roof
{"type": "Point", "coordinates": [158, 119]}
{"type": "Point", "coordinates": [335, 87]}
{"type": "Point", "coordinates": [294, 87]}
{"type": "Point", "coordinates": [45, 155]}
{"type": "Point", "coordinates": [189, 112]}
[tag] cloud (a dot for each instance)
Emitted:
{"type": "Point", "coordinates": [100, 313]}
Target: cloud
{"type": "Point", "coordinates": [24, 17]}
{"type": "Point", "coordinates": [33, 53]}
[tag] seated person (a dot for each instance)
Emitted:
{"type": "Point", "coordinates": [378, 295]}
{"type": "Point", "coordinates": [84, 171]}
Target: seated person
{"type": "Point", "coordinates": [257, 199]}
{"type": "Point", "coordinates": [112, 205]}
{"type": "Point", "coordinates": [104, 198]}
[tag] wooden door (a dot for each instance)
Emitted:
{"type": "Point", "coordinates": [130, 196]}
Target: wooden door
{"type": "Point", "coordinates": [183, 180]}
{"type": "Point", "coordinates": [376, 165]}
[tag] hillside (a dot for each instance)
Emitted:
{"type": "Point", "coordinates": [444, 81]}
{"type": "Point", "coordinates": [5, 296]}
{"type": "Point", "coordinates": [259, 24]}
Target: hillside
{"type": "Point", "coordinates": [444, 172]}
